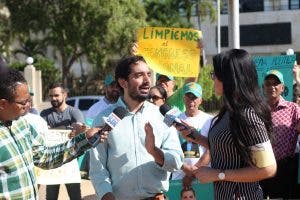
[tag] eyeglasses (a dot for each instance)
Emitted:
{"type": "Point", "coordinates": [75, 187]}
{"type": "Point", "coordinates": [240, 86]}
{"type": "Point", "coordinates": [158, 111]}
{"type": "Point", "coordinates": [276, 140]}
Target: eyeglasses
{"type": "Point", "coordinates": [23, 103]}
{"type": "Point", "coordinates": [154, 97]}
{"type": "Point", "coordinates": [212, 75]}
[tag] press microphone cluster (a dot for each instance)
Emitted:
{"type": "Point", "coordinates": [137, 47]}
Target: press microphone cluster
{"type": "Point", "coordinates": [173, 116]}
{"type": "Point", "coordinates": [110, 122]}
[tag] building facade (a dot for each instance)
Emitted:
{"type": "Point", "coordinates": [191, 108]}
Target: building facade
{"type": "Point", "coordinates": [267, 27]}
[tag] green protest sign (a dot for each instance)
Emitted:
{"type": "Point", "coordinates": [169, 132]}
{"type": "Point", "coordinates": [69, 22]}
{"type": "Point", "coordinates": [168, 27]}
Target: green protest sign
{"type": "Point", "coordinates": [282, 63]}
{"type": "Point", "coordinates": [203, 191]}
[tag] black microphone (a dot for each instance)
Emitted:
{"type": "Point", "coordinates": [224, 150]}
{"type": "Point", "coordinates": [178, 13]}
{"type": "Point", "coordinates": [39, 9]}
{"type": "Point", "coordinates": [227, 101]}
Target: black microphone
{"type": "Point", "coordinates": [110, 122]}
{"type": "Point", "coordinates": [172, 117]}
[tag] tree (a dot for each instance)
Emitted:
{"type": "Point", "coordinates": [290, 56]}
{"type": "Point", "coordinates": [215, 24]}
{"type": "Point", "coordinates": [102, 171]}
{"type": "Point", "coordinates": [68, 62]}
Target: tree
{"type": "Point", "coordinates": [178, 13]}
{"type": "Point", "coordinates": [4, 29]}
{"type": "Point", "coordinates": [50, 73]}
{"type": "Point", "coordinates": [164, 13]}
{"type": "Point", "coordinates": [98, 29]}
{"type": "Point", "coordinates": [201, 8]}
{"type": "Point", "coordinates": [30, 48]}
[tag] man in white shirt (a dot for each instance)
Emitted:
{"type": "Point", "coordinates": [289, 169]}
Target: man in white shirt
{"type": "Point", "coordinates": [136, 161]}
{"type": "Point", "coordinates": [194, 154]}
{"type": "Point", "coordinates": [112, 94]}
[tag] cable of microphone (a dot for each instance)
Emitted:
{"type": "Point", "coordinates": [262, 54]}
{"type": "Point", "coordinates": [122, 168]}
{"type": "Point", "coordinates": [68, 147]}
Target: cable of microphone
{"type": "Point", "coordinates": [172, 116]}
{"type": "Point", "coordinates": [110, 122]}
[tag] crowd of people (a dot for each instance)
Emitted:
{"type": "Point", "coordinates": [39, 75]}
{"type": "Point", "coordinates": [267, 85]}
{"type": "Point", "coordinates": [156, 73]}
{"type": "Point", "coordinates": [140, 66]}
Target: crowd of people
{"type": "Point", "coordinates": [248, 150]}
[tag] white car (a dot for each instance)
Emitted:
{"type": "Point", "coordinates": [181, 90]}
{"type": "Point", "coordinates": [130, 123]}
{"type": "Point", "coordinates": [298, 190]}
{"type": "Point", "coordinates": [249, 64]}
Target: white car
{"type": "Point", "coordinates": [83, 103]}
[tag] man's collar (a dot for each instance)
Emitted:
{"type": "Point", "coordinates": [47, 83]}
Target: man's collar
{"type": "Point", "coordinates": [282, 102]}
{"type": "Point", "coordinates": [122, 103]}
{"type": "Point", "coordinates": [6, 124]}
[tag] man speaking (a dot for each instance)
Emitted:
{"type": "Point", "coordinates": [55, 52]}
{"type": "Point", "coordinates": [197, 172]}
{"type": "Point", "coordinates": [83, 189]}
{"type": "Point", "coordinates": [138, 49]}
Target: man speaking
{"type": "Point", "coordinates": [134, 164]}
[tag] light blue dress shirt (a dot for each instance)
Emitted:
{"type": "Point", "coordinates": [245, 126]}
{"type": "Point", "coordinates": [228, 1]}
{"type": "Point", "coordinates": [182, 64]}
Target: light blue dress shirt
{"type": "Point", "coordinates": [123, 166]}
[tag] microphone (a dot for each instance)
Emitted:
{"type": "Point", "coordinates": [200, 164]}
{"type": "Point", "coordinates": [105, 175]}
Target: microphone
{"type": "Point", "coordinates": [110, 122]}
{"type": "Point", "coordinates": [172, 116]}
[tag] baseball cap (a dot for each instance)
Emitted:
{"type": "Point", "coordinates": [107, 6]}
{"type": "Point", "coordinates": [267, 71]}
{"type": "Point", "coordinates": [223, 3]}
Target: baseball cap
{"type": "Point", "coordinates": [108, 79]}
{"type": "Point", "coordinates": [171, 78]}
{"type": "Point", "coordinates": [276, 73]}
{"type": "Point", "coordinates": [193, 88]}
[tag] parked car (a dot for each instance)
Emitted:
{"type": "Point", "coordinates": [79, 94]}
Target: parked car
{"type": "Point", "coordinates": [83, 103]}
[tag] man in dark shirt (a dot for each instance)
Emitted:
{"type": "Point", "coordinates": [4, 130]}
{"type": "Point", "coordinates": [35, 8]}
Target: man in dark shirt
{"type": "Point", "coordinates": [61, 116]}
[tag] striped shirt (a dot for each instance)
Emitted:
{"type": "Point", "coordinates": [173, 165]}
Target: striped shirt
{"type": "Point", "coordinates": [21, 148]}
{"type": "Point", "coordinates": [224, 156]}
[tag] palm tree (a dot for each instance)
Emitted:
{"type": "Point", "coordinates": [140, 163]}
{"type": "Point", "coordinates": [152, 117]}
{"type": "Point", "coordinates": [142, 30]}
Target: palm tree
{"type": "Point", "coordinates": [202, 9]}
{"type": "Point", "coordinates": [30, 48]}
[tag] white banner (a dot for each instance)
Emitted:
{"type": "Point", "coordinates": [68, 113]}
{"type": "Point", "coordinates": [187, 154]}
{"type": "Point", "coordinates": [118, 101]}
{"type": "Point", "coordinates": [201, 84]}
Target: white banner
{"type": "Point", "coordinates": [68, 173]}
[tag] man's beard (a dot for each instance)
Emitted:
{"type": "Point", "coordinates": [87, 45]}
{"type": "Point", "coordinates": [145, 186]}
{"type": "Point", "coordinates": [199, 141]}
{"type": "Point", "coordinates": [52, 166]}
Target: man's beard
{"type": "Point", "coordinates": [138, 97]}
{"type": "Point", "coordinates": [56, 104]}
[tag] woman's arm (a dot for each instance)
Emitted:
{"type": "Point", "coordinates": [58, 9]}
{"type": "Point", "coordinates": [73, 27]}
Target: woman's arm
{"type": "Point", "coordinates": [204, 159]}
{"type": "Point", "coordinates": [247, 174]}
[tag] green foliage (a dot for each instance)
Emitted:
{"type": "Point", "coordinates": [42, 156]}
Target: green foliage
{"type": "Point", "coordinates": [178, 13]}
{"type": "Point", "coordinates": [30, 47]}
{"type": "Point", "coordinates": [50, 73]}
{"type": "Point", "coordinates": [211, 103]}
{"type": "Point", "coordinates": [206, 82]}
{"type": "Point", "coordinates": [207, 9]}
{"type": "Point", "coordinates": [5, 32]}
{"type": "Point", "coordinates": [165, 13]}
{"type": "Point", "coordinates": [19, 66]}
{"type": "Point", "coordinates": [97, 29]}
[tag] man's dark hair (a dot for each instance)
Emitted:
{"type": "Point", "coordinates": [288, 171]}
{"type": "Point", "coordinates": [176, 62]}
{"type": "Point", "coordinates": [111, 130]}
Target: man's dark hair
{"type": "Point", "coordinates": [186, 190]}
{"type": "Point", "coordinates": [10, 79]}
{"type": "Point", "coordinates": [60, 85]}
{"type": "Point", "coordinates": [123, 68]}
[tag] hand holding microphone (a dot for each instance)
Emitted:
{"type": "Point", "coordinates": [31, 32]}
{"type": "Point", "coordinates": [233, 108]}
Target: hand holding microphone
{"type": "Point", "coordinates": [77, 128]}
{"type": "Point", "coordinates": [97, 135]}
{"type": "Point", "coordinates": [173, 117]}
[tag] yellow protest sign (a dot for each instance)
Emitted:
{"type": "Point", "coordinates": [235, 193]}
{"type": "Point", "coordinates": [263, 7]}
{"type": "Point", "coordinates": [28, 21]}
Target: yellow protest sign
{"type": "Point", "coordinates": [170, 51]}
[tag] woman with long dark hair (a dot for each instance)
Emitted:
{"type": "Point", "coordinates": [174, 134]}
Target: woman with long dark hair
{"type": "Point", "coordinates": [239, 137]}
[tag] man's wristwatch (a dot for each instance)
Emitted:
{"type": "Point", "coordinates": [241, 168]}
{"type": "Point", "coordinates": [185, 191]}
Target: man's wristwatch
{"type": "Point", "coordinates": [221, 175]}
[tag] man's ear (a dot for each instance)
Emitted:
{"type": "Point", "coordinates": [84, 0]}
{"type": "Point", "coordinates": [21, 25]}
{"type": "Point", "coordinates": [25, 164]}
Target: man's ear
{"type": "Point", "coordinates": [65, 94]}
{"type": "Point", "coordinates": [200, 101]}
{"type": "Point", "coordinates": [122, 82]}
{"type": "Point", "coordinates": [3, 102]}
{"type": "Point", "coordinates": [282, 87]}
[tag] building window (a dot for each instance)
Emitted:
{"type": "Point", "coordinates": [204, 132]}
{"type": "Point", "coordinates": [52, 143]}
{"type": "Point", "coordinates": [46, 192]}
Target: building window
{"type": "Point", "coordinates": [251, 5]}
{"type": "Point", "coordinates": [294, 4]}
{"type": "Point", "coordinates": [261, 34]}
{"type": "Point", "coordinates": [262, 5]}
{"type": "Point", "coordinates": [245, 6]}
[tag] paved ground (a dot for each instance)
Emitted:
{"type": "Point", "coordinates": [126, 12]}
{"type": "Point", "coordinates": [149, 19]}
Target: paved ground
{"type": "Point", "coordinates": [87, 191]}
